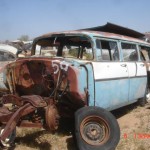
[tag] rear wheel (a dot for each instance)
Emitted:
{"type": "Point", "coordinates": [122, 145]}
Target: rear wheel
{"type": "Point", "coordinates": [96, 129]}
{"type": "Point", "coordinates": [148, 95]}
{"type": "Point", "coordinates": [142, 101]}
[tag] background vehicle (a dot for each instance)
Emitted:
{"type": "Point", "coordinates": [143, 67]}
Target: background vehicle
{"type": "Point", "coordinates": [7, 53]}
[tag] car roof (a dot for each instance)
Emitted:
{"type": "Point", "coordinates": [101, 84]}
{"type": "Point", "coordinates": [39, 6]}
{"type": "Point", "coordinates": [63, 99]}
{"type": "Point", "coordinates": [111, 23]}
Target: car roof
{"type": "Point", "coordinates": [8, 48]}
{"type": "Point", "coordinates": [96, 34]}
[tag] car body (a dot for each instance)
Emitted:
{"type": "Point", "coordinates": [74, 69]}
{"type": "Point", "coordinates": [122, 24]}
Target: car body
{"type": "Point", "coordinates": [82, 74]}
{"type": "Point", "coordinates": [124, 68]}
{"type": "Point", "coordinates": [7, 53]}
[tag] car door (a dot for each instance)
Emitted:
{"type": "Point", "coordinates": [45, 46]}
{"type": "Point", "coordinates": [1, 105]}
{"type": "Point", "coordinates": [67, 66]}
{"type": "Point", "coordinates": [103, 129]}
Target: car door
{"type": "Point", "coordinates": [137, 71]}
{"type": "Point", "coordinates": [111, 76]}
{"type": "Point", "coordinates": [145, 57]}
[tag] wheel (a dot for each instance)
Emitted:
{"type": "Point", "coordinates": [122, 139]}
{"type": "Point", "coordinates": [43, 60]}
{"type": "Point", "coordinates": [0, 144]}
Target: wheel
{"type": "Point", "coordinates": [8, 142]}
{"type": "Point", "coordinates": [146, 99]}
{"type": "Point", "coordinates": [96, 129]}
{"type": "Point", "coordinates": [142, 101]}
{"type": "Point", "coordinates": [148, 95]}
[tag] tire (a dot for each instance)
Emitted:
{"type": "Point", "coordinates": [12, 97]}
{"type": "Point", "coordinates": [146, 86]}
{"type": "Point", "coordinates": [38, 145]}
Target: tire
{"type": "Point", "coordinates": [142, 101]}
{"type": "Point", "coordinates": [9, 141]}
{"type": "Point", "coordinates": [96, 129]}
{"type": "Point", "coordinates": [148, 95]}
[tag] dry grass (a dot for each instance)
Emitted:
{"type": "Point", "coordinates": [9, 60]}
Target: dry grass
{"type": "Point", "coordinates": [136, 137]}
{"type": "Point", "coordinates": [132, 120]}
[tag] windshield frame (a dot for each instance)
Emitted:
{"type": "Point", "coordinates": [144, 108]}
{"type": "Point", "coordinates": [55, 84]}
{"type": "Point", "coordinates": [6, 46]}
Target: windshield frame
{"type": "Point", "coordinates": [88, 37]}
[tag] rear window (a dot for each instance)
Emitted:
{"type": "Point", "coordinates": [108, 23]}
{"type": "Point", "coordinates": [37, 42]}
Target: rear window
{"type": "Point", "coordinates": [145, 53]}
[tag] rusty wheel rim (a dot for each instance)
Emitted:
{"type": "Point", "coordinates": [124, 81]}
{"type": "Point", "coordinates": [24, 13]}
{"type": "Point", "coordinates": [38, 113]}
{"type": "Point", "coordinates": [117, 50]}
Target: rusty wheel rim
{"type": "Point", "coordinates": [94, 130]}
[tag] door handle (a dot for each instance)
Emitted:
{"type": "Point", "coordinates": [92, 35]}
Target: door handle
{"type": "Point", "coordinates": [123, 65]}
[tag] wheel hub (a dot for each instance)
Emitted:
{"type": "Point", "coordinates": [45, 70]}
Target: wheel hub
{"type": "Point", "coordinates": [94, 130]}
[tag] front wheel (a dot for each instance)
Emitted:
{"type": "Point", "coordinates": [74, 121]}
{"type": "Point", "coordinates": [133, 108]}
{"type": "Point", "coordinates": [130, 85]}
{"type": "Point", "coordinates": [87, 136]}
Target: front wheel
{"type": "Point", "coordinates": [96, 129]}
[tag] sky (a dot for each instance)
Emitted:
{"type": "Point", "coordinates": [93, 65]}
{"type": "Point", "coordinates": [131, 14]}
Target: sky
{"type": "Point", "coordinates": [37, 17]}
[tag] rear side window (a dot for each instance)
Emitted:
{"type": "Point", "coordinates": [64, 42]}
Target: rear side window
{"type": "Point", "coordinates": [109, 50]}
{"type": "Point", "coordinates": [145, 53]}
{"type": "Point", "coordinates": [129, 52]}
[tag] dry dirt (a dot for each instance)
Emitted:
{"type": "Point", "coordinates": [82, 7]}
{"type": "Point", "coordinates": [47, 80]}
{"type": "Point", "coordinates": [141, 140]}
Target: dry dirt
{"type": "Point", "coordinates": [134, 123]}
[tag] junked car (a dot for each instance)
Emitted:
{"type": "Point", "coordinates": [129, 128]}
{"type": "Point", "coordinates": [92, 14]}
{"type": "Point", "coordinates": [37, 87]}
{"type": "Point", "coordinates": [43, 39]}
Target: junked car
{"type": "Point", "coordinates": [7, 55]}
{"type": "Point", "coordinates": [24, 47]}
{"type": "Point", "coordinates": [82, 74]}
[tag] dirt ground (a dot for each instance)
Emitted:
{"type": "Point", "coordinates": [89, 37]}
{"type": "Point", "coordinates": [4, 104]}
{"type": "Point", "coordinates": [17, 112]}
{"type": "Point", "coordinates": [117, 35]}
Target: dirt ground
{"type": "Point", "coordinates": [134, 123]}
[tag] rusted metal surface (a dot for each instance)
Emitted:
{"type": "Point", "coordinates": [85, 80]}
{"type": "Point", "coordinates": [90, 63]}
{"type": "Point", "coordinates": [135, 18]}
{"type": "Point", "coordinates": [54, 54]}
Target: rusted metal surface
{"type": "Point", "coordinates": [94, 130]}
{"type": "Point", "coordinates": [32, 77]}
{"type": "Point", "coordinates": [9, 98]}
{"type": "Point", "coordinates": [35, 100]}
{"type": "Point", "coordinates": [29, 124]}
{"type": "Point", "coordinates": [30, 104]}
{"type": "Point", "coordinates": [36, 86]}
{"type": "Point", "coordinates": [24, 106]}
{"type": "Point", "coordinates": [52, 118]}
{"type": "Point", "coordinates": [5, 114]}
{"type": "Point", "coordinates": [113, 28]}
{"type": "Point", "coordinates": [93, 33]}
{"type": "Point", "coordinates": [38, 76]}
{"type": "Point", "coordinates": [11, 124]}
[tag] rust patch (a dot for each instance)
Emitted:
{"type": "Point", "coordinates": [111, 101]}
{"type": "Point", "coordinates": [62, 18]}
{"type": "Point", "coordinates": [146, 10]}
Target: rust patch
{"type": "Point", "coordinates": [52, 118]}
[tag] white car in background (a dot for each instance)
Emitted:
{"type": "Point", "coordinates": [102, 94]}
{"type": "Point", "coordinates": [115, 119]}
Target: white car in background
{"type": "Point", "coordinates": [7, 54]}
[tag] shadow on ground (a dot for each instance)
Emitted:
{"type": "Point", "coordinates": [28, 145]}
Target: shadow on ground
{"type": "Point", "coordinates": [30, 140]}
{"type": "Point", "coordinates": [124, 110]}
{"type": "Point", "coordinates": [66, 129]}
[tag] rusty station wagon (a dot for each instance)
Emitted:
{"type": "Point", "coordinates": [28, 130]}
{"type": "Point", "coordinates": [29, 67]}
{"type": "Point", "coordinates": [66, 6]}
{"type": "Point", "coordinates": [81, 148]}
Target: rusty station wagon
{"type": "Point", "coordinates": [82, 74]}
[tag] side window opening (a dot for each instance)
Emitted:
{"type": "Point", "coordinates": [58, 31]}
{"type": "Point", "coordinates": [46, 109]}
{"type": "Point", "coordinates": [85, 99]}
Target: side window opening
{"type": "Point", "coordinates": [80, 52]}
{"type": "Point", "coordinates": [145, 53]}
{"type": "Point", "coordinates": [109, 50]}
{"type": "Point", "coordinates": [129, 52]}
